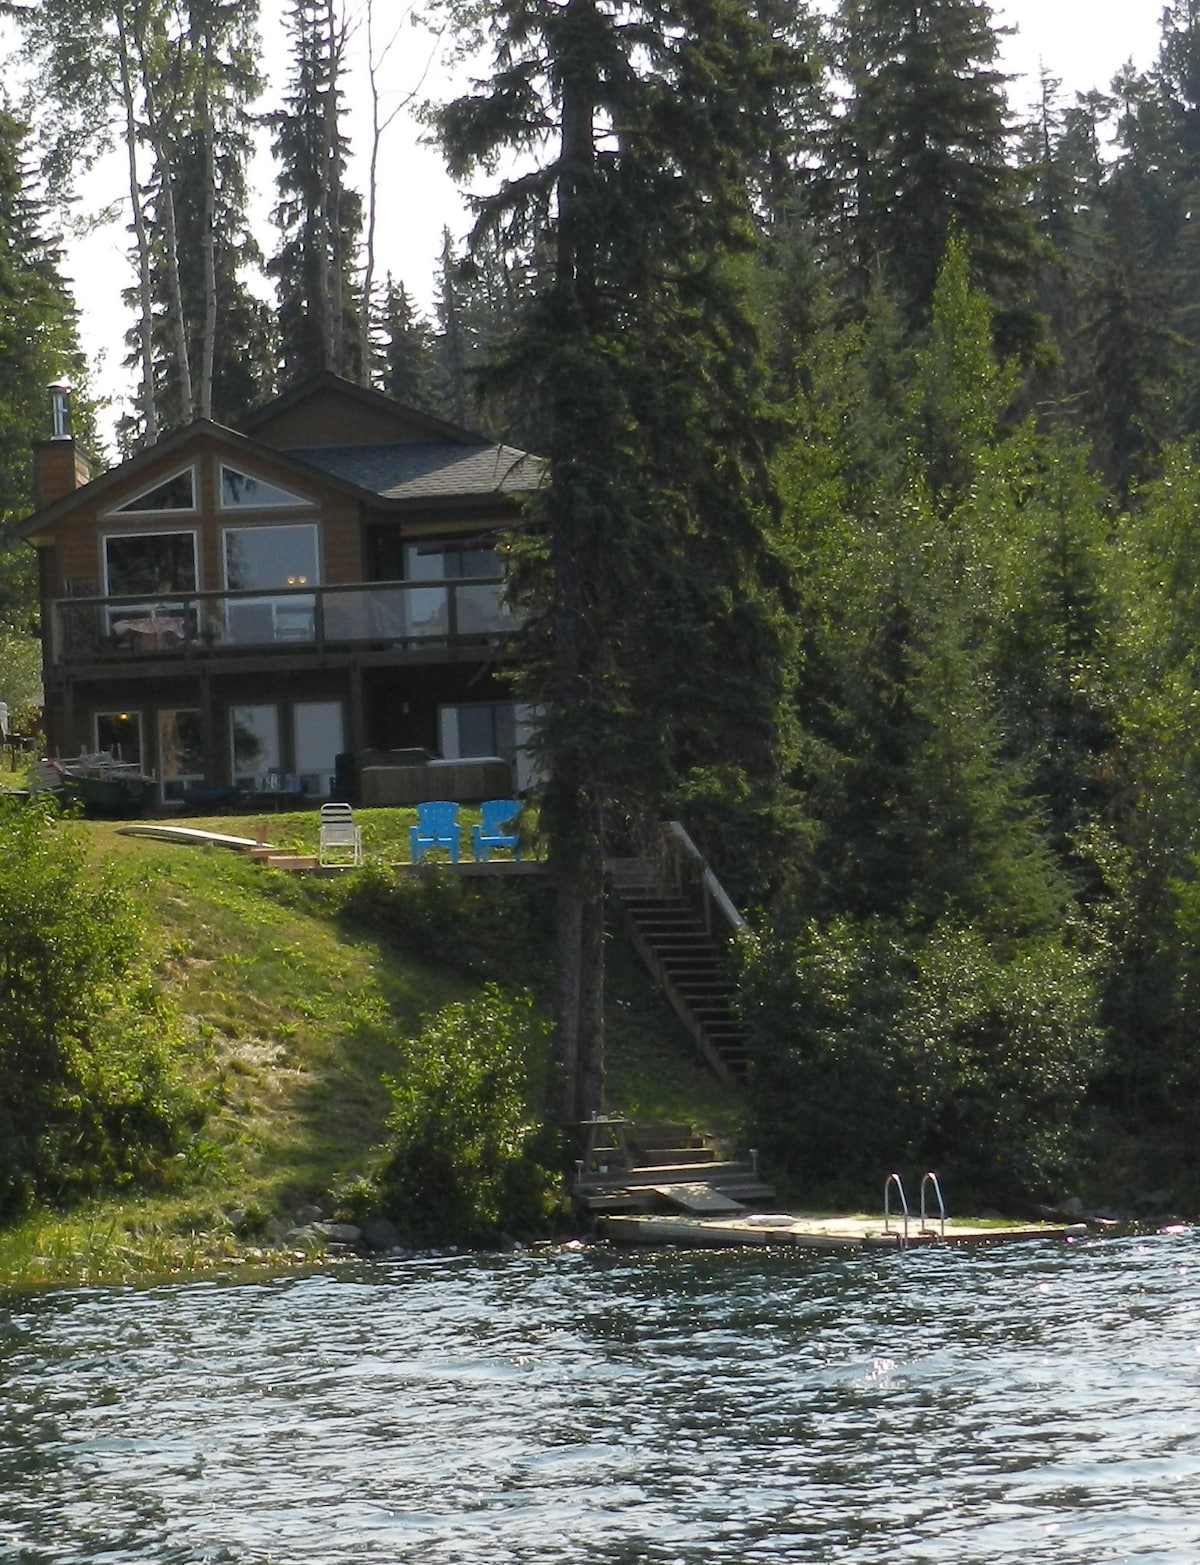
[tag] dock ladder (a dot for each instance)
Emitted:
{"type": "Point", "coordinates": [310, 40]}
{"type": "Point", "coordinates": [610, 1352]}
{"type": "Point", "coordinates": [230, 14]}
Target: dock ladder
{"type": "Point", "coordinates": [929, 1184]}
{"type": "Point", "coordinates": [894, 1179]}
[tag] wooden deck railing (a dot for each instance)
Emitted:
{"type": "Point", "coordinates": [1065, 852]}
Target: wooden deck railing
{"type": "Point", "coordinates": [689, 875]}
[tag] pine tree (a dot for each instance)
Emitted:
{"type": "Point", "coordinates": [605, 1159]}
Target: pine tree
{"type": "Point", "coordinates": [1060, 156]}
{"type": "Point", "coordinates": [451, 345]}
{"type": "Point", "coordinates": [921, 152]}
{"type": "Point", "coordinates": [319, 218]}
{"type": "Point", "coordinates": [480, 296]}
{"type": "Point", "coordinates": [402, 351]}
{"type": "Point", "coordinates": [1136, 358]}
{"type": "Point", "coordinates": [638, 357]}
{"type": "Point", "coordinates": [38, 345]}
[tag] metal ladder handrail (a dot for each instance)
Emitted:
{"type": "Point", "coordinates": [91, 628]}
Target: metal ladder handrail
{"type": "Point", "coordinates": [894, 1179]}
{"type": "Point", "coordinates": [932, 1179]}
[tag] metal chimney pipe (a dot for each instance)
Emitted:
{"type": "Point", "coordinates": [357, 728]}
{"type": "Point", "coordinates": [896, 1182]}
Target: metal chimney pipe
{"type": "Point", "coordinates": [60, 410]}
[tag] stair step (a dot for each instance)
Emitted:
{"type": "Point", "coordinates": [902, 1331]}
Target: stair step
{"type": "Point", "coordinates": [676, 1157]}
{"type": "Point", "coordinates": [668, 926]}
{"type": "Point", "coordinates": [665, 1135]}
{"type": "Point", "coordinates": [673, 932]}
{"type": "Point", "coordinates": [692, 968]}
{"type": "Point", "coordinates": [715, 1173]}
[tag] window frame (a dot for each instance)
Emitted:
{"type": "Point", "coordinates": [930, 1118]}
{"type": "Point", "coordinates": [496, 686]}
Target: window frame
{"type": "Point", "coordinates": [158, 532]}
{"type": "Point", "coordinates": [123, 509]}
{"type": "Point", "coordinates": [288, 501]}
{"type": "Point", "coordinates": [227, 528]}
{"type": "Point", "coordinates": [130, 714]}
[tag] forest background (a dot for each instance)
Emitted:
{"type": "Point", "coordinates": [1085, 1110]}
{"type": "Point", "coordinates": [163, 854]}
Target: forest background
{"type": "Point", "coordinates": [870, 415]}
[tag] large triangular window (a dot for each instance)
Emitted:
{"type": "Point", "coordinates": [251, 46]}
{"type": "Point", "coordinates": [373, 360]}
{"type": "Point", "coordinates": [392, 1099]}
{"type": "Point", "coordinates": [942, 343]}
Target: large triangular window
{"type": "Point", "coordinates": [177, 493]}
{"type": "Point", "coordinates": [242, 491]}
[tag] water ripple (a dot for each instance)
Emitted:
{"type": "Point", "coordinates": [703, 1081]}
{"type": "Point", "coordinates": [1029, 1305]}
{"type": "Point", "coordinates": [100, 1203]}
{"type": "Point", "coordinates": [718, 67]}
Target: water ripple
{"type": "Point", "coordinates": [1030, 1402]}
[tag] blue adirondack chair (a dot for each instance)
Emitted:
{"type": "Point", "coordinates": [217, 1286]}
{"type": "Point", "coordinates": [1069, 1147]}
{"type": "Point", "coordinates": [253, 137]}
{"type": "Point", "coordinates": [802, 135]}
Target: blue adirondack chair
{"type": "Point", "coordinates": [497, 829]}
{"type": "Point", "coordinates": [437, 827]}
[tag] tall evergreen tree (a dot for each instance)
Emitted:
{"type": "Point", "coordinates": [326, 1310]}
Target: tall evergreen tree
{"type": "Point", "coordinates": [452, 345]}
{"type": "Point", "coordinates": [480, 296]}
{"type": "Point", "coordinates": [318, 216]}
{"type": "Point", "coordinates": [38, 345]}
{"type": "Point", "coordinates": [402, 350]}
{"type": "Point", "coordinates": [639, 357]}
{"type": "Point", "coordinates": [921, 151]}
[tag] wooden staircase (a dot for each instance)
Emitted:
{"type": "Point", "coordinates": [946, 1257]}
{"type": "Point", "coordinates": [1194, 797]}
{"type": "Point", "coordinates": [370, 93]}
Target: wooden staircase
{"type": "Point", "coordinates": [687, 957]}
{"type": "Point", "coordinates": [655, 1168]}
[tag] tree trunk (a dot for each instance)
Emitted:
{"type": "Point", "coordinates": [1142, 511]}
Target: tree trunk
{"type": "Point", "coordinates": [142, 238]}
{"type": "Point", "coordinates": [575, 806]}
{"type": "Point", "coordinates": [368, 279]}
{"type": "Point", "coordinates": [208, 237]}
{"type": "Point", "coordinates": [162, 155]}
{"type": "Point", "coordinates": [330, 249]}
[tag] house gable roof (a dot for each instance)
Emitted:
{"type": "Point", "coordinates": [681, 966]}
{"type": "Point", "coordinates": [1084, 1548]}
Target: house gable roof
{"type": "Point", "coordinates": [411, 471]}
{"type": "Point", "coordinates": [424, 462]}
{"type": "Point", "coordinates": [326, 404]}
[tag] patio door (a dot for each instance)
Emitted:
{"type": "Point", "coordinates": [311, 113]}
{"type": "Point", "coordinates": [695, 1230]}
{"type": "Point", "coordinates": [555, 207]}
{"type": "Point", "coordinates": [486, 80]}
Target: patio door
{"type": "Point", "coordinates": [318, 741]}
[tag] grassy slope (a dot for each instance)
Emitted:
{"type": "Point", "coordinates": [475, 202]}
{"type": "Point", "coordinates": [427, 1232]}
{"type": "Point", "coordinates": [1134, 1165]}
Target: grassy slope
{"type": "Point", "coordinates": [294, 1016]}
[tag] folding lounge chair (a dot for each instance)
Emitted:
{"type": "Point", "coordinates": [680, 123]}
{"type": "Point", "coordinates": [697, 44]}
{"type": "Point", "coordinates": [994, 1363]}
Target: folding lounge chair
{"type": "Point", "coordinates": [341, 838]}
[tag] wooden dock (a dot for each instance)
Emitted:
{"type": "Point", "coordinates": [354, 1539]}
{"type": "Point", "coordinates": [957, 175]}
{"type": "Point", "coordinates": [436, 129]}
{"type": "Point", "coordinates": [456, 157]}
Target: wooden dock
{"type": "Point", "coordinates": [783, 1230]}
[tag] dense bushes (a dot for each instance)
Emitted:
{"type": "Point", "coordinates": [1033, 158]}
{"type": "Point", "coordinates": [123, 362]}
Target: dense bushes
{"type": "Point", "coordinates": [877, 1050]}
{"type": "Point", "coordinates": [482, 929]}
{"type": "Point", "coordinates": [88, 1098]}
{"type": "Point", "coordinates": [464, 1159]}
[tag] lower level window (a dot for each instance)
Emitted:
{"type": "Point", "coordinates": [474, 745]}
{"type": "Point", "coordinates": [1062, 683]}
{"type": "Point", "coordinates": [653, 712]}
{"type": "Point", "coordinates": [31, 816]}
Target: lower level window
{"type": "Point", "coordinates": [317, 741]}
{"type": "Point", "coordinates": [180, 751]}
{"type": "Point", "coordinates": [500, 728]}
{"type": "Point", "coordinates": [477, 728]}
{"type": "Point", "coordinates": [119, 734]}
{"type": "Point", "coordinates": [255, 736]}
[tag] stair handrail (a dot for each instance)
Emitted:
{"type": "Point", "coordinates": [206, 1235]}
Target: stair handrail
{"type": "Point", "coordinates": [683, 852]}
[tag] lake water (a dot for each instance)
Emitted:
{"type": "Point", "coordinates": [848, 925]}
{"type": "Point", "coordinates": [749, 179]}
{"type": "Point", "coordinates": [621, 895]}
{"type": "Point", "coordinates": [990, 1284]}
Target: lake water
{"type": "Point", "coordinates": [1029, 1403]}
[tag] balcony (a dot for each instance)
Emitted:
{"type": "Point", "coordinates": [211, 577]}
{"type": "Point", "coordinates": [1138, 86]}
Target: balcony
{"type": "Point", "coordinates": [405, 616]}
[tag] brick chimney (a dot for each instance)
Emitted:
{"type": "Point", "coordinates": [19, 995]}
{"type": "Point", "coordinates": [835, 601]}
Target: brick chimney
{"type": "Point", "coordinates": [58, 468]}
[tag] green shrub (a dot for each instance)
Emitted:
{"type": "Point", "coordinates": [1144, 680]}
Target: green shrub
{"type": "Point", "coordinates": [88, 1094]}
{"type": "Point", "coordinates": [875, 1049]}
{"type": "Point", "coordinates": [466, 1158]}
{"type": "Point", "coordinates": [483, 929]}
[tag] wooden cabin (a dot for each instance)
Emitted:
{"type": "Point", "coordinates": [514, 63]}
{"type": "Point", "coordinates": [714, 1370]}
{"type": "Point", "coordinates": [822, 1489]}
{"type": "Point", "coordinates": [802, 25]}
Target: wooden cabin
{"type": "Point", "coordinates": [263, 608]}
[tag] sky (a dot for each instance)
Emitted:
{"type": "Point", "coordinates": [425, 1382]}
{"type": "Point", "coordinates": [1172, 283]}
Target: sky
{"type": "Point", "coordinates": [1082, 42]}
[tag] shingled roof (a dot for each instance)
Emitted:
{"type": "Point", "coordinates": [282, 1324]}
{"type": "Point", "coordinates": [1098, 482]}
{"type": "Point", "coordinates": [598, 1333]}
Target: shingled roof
{"type": "Point", "coordinates": [420, 471]}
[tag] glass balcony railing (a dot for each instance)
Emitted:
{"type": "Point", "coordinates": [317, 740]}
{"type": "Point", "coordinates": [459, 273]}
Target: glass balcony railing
{"type": "Point", "coordinates": [399, 615]}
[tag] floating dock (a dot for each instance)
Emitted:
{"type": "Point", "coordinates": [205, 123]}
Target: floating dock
{"type": "Point", "coordinates": [783, 1230]}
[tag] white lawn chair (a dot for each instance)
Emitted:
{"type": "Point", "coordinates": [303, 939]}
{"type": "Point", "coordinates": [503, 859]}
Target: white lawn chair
{"type": "Point", "coordinates": [341, 839]}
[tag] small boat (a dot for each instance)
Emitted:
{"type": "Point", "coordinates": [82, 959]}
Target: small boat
{"type": "Point", "coordinates": [99, 784]}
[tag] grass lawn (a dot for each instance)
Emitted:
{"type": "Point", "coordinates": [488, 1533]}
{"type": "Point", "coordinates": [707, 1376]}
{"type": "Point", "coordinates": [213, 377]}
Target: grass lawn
{"type": "Point", "coordinates": [295, 1010]}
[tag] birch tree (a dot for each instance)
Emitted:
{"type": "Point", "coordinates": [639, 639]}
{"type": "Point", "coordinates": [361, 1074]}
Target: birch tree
{"type": "Point", "coordinates": [172, 79]}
